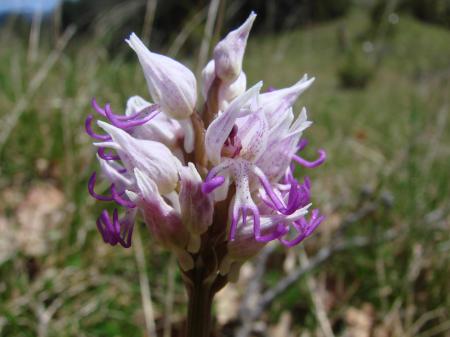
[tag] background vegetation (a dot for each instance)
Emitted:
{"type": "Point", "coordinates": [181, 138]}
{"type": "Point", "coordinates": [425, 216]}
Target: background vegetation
{"type": "Point", "coordinates": [380, 108]}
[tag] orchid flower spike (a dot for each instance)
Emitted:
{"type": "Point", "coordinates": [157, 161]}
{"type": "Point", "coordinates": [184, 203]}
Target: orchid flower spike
{"type": "Point", "coordinates": [214, 182]}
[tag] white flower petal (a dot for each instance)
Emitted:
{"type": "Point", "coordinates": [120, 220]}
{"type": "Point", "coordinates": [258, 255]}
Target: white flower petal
{"type": "Point", "coordinates": [111, 170]}
{"type": "Point", "coordinates": [151, 157]}
{"type": "Point", "coordinates": [160, 128]}
{"type": "Point", "coordinates": [276, 103]}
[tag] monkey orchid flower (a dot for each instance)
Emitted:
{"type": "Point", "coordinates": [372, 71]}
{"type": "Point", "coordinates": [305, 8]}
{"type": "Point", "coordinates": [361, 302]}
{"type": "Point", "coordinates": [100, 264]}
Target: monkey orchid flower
{"type": "Point", "coordinates": [213, 182]}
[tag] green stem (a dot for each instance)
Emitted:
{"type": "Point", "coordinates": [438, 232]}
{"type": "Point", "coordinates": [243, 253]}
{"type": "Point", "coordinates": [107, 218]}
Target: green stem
{"type": "Point", "coordinates": [199, 308]}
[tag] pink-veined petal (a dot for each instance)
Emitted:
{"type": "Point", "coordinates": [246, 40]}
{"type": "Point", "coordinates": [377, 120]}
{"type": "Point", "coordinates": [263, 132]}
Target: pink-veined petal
{"type": "Point", "coordinates": [277, 102]}
{"type": "Point", "coordinates": [220, 128]}
{"type": "Point", "coordinates": [151, 157]}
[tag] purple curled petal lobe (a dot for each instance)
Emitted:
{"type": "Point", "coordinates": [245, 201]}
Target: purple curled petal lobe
{"type": "Point", "coordinates": [91, 186]}
{"type": "Point", "coordinates": [106, 156]}
{"type": "Point", "coordinates": [106, 228]}
{"type": "Point", "coordinates": [97, 107]}
{"type": "Point", "coordinates": [120, 121]}
{"type": "Point", "coordinates": [311, 164]}
{"type": "Point", "coordinates": [128, 122]}
{"type": "Point", "coordinates": [302, 144]}
{"type": "Point", "coordinates": [233, 226]}
{"type": "Point", "coordinates": [259, 237]}
{"type": "Point", "coordinates": [91, 133]}
{"type": "Point", "coordinates": [298, 195]}
{"type": "Point", "coordinates": [275, 200]}
{"type": "Point", "coordinates": [115, 231]}
{"type": "Point", "coordinates": [304, 228]}
{"type": "Point", "coordinates": [291, 243]}
{"type": "Point", "coordinates": [117, 197]}
{"type": "Point", "coordinates": [210, 185]}
{"type": "Point", "coordinates": [315, 221]}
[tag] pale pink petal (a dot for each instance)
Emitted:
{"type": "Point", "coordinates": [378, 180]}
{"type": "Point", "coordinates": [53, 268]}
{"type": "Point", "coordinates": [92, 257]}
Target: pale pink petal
{"type": "Point", "coordinates": [152, 158]}
{"type": "Point", "coordinates": [276, 103]}
{"type": "Point", "coordinates": [161, 128]}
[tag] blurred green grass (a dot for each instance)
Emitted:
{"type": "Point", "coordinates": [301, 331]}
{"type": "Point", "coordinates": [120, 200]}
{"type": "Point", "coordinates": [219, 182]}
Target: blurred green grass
{"type": "Point", "coordinates": [388, 141]}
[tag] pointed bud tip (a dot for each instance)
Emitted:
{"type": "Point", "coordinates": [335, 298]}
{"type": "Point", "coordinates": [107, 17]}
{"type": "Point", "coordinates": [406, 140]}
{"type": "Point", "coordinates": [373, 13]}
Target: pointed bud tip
{"type": "Point", "coordinates": [306, 80]}
{"type": "Point", "coordinates": [247, 25]}
{"type": "Point", "coordinates": [137, 45]}
{"type": "Point", "coordinates": [132, 37]}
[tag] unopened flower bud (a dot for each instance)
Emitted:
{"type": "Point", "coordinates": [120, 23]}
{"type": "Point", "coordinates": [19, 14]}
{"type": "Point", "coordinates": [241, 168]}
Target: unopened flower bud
{"type": "Point", "coordinates": [208, 76]}
{"type": "Point", "coordinates": [171, 84]}
{"type": "Point", "coordinates": [196, 207]}
{"type": "Point", "coordinates": [229, 52]}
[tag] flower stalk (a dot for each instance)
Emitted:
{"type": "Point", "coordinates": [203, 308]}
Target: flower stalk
{"type": "Point", "coordinates": [200, 297]}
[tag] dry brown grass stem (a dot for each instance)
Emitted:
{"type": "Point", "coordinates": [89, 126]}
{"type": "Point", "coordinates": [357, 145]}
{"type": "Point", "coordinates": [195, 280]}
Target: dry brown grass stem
{"type": "Point", "coordinates": [188, 28]}
{"type": "Point", "coordinates": [144, 285]}
{"type": "Point", "coordinates": [150, 10]}
{"type": "Point", "coordinates": [317, 299]}
{"type": "Point", "coordinates": [35, 34]}
{"type": "Point", "coordinates": [207, 35]}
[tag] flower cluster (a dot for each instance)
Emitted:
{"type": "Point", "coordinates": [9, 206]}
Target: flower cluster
{"type": "Point", "coordinates": [227, 165]}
